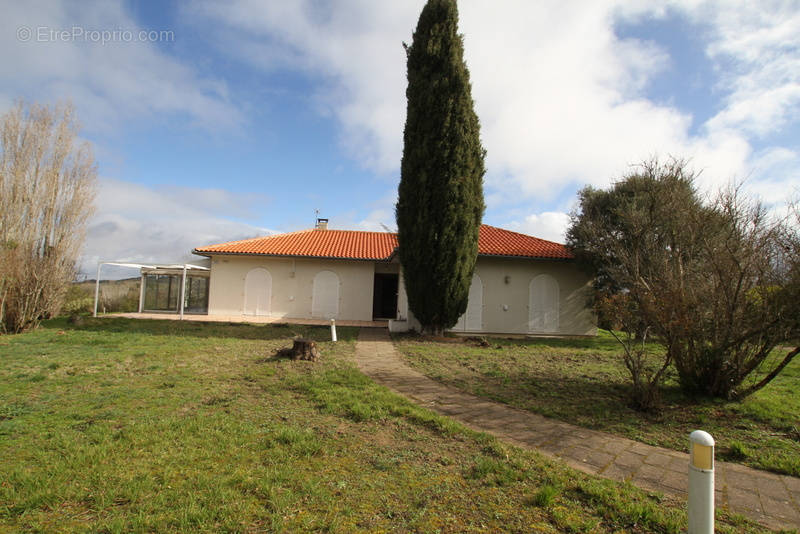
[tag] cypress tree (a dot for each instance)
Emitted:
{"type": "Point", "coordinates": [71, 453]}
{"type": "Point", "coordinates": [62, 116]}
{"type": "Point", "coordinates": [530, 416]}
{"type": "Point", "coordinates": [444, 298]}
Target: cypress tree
{"type": "Point", "coordinates": [440, 197]}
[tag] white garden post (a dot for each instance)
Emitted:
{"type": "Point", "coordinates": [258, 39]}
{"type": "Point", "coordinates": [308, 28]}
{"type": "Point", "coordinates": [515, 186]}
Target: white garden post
{"type": "Point", "coordinates": [141, 292]}
{"type": "Point", "coordinates": [183, 289]}
{"type": "Point", "coordinates": [333, 329]}
{"type": "Point", "coordinates": [96, 289]}
{"type": "Point", "coordinates": [701, 483]}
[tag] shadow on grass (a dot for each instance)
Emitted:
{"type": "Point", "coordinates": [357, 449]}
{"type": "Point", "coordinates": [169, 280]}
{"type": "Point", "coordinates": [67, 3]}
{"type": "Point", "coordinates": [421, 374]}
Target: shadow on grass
{"type": "Point", "coordinates": [596, 402]}
{"type": "Point", "coordinates": [156, 327]}
{"type": "Point", "coordinates": [602, 342]}
{"type": "Point", "coordinates": [581, 399]}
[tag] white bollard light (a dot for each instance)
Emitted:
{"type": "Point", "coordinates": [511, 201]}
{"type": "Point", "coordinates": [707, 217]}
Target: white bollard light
{"type": "Point", "coordinates": [333, 329]}
{"type": "Point", "coordinates": [701, 483]}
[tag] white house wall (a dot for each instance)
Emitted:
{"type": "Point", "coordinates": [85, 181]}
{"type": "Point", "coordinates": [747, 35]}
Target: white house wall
{"type": "Point", "coordinates": [506, 297]}
{"type": "Point", "coordinates": [292, 285]}
{"type": "Point", "coordinates": [505, 283]}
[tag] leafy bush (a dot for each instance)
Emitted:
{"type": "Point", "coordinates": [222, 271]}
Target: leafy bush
{"type": "Point", "coordinates": [717, 283]}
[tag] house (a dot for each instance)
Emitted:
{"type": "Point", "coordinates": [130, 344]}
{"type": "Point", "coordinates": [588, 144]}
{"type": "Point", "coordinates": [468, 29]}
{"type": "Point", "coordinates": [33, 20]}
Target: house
{"type": "Point", "coordinates": [521, 285]}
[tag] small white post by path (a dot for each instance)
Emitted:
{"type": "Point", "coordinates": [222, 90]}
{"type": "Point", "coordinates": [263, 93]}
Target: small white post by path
{"type": "Point", "coordinates": [97, 289]}
{"type": "Point", "coordinates": [141, 292]}
{"type": "Point", "coordinates": [701, 483]}
{"type": "Point", "coordinates": [333, 329]}
{"type": "Point", "coordinates": [183, 289]}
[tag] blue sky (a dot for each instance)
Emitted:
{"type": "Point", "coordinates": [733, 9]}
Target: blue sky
{"type": "Point", "coordinates": [250, 115]}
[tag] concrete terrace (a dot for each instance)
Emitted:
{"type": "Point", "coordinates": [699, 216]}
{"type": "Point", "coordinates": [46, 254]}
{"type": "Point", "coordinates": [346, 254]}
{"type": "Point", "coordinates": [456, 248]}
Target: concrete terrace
{"type": "Point", "coordinates": [253, 319]}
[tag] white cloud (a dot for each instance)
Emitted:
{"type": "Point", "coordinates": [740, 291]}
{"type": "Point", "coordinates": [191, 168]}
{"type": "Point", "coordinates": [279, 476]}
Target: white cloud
{"type": "Point", "coordinates": [758, 43]}
{"type": "Point", "coordinates": [561, 99]}
{"type": "Point", "coordinates": [560, 96]}
{"type": "Point", "coordinates": [354, 46]}
{"type": "Point", "coordinates": [379, 218]}
{"type": "Point", "coordinates": [162, 225]}
{"type": "Point", "coordinates": [108, 82]}
{"type": "Point", "coordinates": [549, 225]}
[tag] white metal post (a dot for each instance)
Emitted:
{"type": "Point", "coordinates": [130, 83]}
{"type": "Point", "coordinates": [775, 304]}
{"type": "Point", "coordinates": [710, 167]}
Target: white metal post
{"type": "Point", "coordinates": [701, 483]}
{"type": "Point", "coordinates": [333, 329]}
{"type": "Point", "coordinates": [183, 289]}
{"type": "Point", "coordinates": [141, 293]}
{"type": "Point", "coordinates": [97, 289]}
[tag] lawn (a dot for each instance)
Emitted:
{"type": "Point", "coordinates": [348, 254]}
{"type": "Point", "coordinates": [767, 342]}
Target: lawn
{"type": "Point", "coordinates": [583, 381]}
{"type": "Point", "coordinates": [154, 426]}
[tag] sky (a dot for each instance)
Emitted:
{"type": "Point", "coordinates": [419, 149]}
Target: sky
{"type": "Point", "coordinates": [216, 121]}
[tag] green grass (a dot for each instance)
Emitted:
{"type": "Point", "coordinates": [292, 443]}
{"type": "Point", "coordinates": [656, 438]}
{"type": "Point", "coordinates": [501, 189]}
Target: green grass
{"type": "Point", "coordinates": [162, 426]}
{"type": "Point", "coordinates": [583, 381]}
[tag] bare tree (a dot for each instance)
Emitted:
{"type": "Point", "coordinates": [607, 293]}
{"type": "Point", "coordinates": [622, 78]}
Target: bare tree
{"type": "Point", "coordinates": [47, 188]}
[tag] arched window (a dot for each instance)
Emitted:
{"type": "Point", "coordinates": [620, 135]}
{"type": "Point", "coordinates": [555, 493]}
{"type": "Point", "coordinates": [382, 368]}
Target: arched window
{"type": "Point", "coordinates": [472, 319]}
{"type": "Point", "coordinates": [543, 303]}
{"type": "Point", "coordinates": [325, 295]}
{"type": "Point", "coordinates": [258, 292]}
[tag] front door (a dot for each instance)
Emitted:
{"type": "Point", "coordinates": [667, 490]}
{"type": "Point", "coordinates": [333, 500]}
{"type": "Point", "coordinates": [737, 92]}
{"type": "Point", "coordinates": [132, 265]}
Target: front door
{"type": "Point", "coordinates": [384, 296]}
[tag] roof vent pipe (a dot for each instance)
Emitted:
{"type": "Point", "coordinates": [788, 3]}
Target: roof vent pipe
{"type": "Point", "coordinates": [322, 224]}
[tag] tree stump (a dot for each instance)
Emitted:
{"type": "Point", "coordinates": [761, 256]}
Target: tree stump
{"type": "Point", "coordinates": [302, 349]}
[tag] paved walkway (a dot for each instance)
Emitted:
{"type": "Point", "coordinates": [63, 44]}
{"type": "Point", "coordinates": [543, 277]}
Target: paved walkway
{"type": "Point", "coordinates": [773, 500]}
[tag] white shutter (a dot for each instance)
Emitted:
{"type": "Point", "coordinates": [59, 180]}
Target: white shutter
{"type": "Point", "coordinates": [475, 306]}
{"type": "Point", "coordinates": [258, 292]}
{"type": "Point", "coordinates": [325, 295]}
{"type": "Point", "coordinates": [472, 319]}
{"type": "Point", "coordinates": [543, 304]}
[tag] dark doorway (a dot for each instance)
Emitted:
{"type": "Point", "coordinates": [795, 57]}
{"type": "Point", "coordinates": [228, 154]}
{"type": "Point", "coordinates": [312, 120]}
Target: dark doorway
{"type": "Point", "coordinates": [384, 296]}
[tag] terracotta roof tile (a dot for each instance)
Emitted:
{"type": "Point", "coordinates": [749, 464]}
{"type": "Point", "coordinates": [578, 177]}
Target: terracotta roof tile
{"type": "Point", "coordinates": [349, 244]}
{"type": "Point", "coordinates": [494, 241]}
{"type": "Point", "coordinates": [343, 244]}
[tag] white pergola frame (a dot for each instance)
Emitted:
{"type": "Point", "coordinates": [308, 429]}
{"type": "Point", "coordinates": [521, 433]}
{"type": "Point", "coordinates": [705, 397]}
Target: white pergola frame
{"type": "Point", "coordinates": [182, 266]}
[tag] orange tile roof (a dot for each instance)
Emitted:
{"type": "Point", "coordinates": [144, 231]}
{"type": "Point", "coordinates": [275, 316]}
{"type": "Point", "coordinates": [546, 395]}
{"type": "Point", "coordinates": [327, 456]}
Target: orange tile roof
{"type": "Point", "coordinates": [341, 244]}
{"type": "Point", "coordinates": [355, 245]}
{"type": "Point", "coordinates": [493, 241]}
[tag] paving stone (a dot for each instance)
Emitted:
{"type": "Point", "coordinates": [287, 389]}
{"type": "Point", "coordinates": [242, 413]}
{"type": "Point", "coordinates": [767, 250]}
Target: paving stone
{"type": "Point", "coordinates": [598, 459]}
{"type": "Point", "coordinates": [629, 459]}
{"type": "Point", "coordinates": [744, 503]}
{"type": "Point", "coordinates": [596, 441]}
{"type": "Point", "coordinates": [678, 483]}
{"type": "Point", "coordinates": [780, 509]}
{"type": "Point", "coordinates": [582, 434]}
{"type": "Point", "coordinates": [492, 424]}
{"type": "Point", "coordinates": [641, 448]}
{"type": "Point", "coordinates": [519, 425]}
{"type": "Point", "coordinates": [450, 409]}
{"type": "Point", "coordinates": [615, 446]}
{"type": "Point", "coordinates": [554, 446]}
{"type": "Point", "coordinates": [775, 492]}
{"type": "Point", "coordinates": [651, 473]}
{"type": "Point", "coordinates": [792, 483]}
{"type": "Point", "coordinates": [678, 465]}
{"type": "Point", "coordinates": [580, 466]}
{"type": "Point", "coordinates": [618, 472]}
{"type": "Point", "coordinates": [741, 481]}
{"type": "Point", "coordinates": [658, 459]}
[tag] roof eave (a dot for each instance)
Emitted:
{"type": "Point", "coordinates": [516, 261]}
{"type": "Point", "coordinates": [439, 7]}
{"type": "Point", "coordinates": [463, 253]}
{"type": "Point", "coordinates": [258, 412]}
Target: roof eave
{"type": "Point", "coordinates": [519, 257]}
{"type": "Point", "coordinates": [294, 256]}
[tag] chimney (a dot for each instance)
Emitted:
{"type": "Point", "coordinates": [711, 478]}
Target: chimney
{"type": "Point", "coordinates": [322, 224]}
